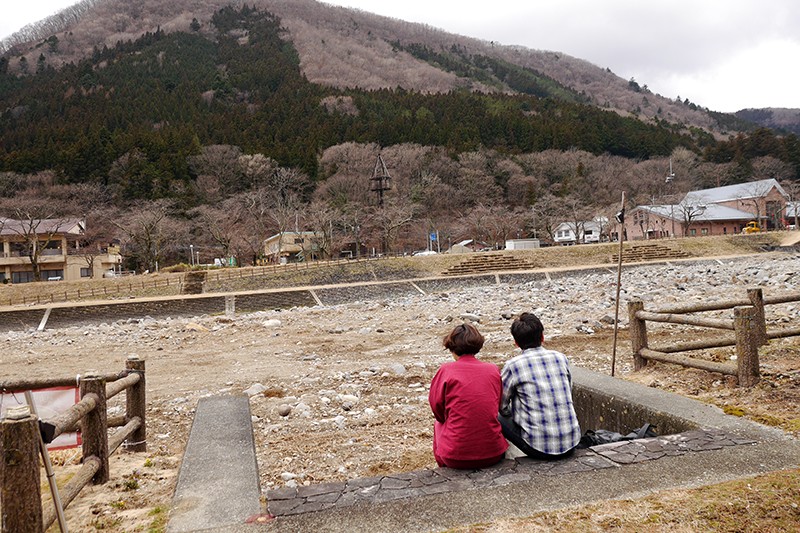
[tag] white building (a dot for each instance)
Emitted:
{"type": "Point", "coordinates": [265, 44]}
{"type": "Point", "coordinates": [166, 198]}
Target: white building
{"type": "Point", "coordinates": [586, 232]}
{"type": "Point", "coordinates": [522, 244]}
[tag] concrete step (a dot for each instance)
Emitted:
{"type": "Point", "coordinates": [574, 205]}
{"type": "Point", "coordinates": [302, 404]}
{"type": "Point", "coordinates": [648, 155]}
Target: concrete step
{"type": "Point", "coordinates": [648, 252]}
{"type": "Point", "coordinates": [218, 481]}
{"type": "Point", "coordinates": [488, 263]}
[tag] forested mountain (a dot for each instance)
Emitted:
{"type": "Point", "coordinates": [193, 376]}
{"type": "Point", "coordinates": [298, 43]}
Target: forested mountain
{"type": "Point", "coordinates": [346, 48]}
{"type": "Point", "coordinates": [781, 119]}
{"type": "Point", "coordinates": [227, 124]}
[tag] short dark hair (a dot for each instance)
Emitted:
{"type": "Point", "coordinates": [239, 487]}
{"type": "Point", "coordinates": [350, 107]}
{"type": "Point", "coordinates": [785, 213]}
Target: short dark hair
{"type": "Point", "coordinates": [527, 331]}
{"type": "Point", "coordinates": [464, 339]}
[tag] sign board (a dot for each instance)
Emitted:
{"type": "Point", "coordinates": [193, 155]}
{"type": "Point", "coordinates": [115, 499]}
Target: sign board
{"type": "Point", "coordinates": [433, 236]}
{"type": "Point", "coordinates": [49, 403]}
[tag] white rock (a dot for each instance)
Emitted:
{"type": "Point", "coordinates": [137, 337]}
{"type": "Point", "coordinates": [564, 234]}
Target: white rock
{"type": "Point", "coordinates": [271, 323]}
{"type": "Point", "coordinates": [472, 317]}
{"type": "Point", "coordinates": [286, 476]}
{"type": "Point", "coordinates": [348, 398]}
{"type": "Point", "coordinates": [255, 388]}
{"type": "Point", "coordinates": [284, 410]}
{"type": "Point", "coordinates": [397, 368]}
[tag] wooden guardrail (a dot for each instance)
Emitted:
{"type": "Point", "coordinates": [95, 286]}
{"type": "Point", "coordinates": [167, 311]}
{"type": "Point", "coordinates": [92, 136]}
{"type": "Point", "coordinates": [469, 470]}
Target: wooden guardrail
{"type": "Point", "coordinates": [20, 483]}
{"type": "Point", "coordinates": [748, 324]}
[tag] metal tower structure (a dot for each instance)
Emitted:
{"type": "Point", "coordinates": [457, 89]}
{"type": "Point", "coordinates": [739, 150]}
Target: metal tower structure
{"type": "Point", "coordinates": [381, 180]}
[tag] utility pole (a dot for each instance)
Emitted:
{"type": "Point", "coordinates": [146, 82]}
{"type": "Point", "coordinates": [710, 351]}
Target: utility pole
{"type": "Point", "coordinates": [670, 177]}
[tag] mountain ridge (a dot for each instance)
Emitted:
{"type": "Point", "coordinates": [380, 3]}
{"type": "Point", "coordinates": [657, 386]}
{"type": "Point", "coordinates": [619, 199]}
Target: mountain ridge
{"type": "Point", "coordinates": [345, 48]}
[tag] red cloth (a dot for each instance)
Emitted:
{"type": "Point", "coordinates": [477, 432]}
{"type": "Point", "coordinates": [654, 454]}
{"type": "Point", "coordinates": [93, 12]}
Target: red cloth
{"type": "Point", "coordinates": [465, 400]}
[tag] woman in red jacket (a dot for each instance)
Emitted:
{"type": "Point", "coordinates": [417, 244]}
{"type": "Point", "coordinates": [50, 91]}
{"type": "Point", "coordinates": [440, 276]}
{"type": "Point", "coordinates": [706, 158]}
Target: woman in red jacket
{"type": "Point", "coordinates": [465, 399]}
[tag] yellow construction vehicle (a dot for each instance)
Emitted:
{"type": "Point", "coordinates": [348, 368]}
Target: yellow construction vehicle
{"type": "Point", "coordinates": [751, 227]}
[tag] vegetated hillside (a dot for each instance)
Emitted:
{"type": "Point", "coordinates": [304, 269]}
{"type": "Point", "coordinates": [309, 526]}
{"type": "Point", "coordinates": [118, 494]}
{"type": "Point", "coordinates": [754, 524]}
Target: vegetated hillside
{"type": "Point", "coordinates": [214, 134]}
{"type": "Point", "coordinates": [777, 118]}
{"type": "Point", "coordinates": [166, 95]}
{"type": "Point", "coordinates": [348, 48]}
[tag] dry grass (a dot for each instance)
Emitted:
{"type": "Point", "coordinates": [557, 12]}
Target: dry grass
{"type": "Point", "coordinates": [766, 503]}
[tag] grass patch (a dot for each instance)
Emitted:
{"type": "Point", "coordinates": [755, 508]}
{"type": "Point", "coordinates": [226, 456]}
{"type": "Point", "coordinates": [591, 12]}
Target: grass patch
{"type": "Point", "coordinates": [733, 410]}
{"type": "Point", "coordinates": [159, 523]}
{"type": "Point", "coordinates": [767, 503]}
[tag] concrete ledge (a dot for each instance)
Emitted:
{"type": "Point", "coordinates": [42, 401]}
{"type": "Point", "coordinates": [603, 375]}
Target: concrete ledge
{"type": "Point", "coordinates": [218, 482]}
{"type": "Point", "coordinates": [292, 501]}
{"type": "Point", "coordinates": [618, 405]}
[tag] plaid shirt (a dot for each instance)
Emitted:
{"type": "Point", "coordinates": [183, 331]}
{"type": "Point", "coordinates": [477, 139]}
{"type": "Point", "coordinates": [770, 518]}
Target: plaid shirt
{"type": "Point", "coordinates": [537, 393]}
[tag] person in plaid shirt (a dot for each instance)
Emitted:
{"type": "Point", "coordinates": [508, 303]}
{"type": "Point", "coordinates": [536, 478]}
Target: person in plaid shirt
{"type": "Point", "coordinates": [536, 410]}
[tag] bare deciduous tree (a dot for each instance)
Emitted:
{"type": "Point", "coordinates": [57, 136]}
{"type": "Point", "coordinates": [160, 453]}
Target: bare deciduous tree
{"type": "Point", "coordinates": [395, 214]}
{"type": "Point", "coordinates": [36, 222]}
{"type": "Point", "coordinates": [257, 169]}
{"type": "Point", "coordinates": [355, 219]}
{"type": "Point", "coordinates": [321, 218]}
{"type": "Point", "coordinates": [578, 214]}
{"type": "Point", "coordinates": [549, 213]}
{"type": "Point", "coordinates": [689, 210]}
{"type": "Point", "coordinates": [149, 232]}
{"type": "Point", "coordinates": [503, 223]}
{"type": "Point", "coordinates": [219, 171]}
{"type": "Point", "coordinates": [220, 224]}
{"type": "Point", "coordinates": [99, 232]}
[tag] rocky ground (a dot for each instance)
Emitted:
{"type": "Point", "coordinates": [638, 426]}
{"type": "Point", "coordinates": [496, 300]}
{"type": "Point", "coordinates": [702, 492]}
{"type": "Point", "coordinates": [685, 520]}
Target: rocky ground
{"type": "Point", "coordinates": [341, 391]}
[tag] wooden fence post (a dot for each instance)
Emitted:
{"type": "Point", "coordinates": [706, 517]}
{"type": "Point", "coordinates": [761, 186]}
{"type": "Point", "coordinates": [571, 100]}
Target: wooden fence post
{"type": "Point", "coordinates": [744, 326]}
{"type": "Point", "coordinates": [638, 332]}
{"type": "Point", "coordinates": [756, 298]}
{"type": "Point", "coordinates": [20, 482]}
{"type": "Point", "coordinates": [136, 405]}
{"type": "Point", "coordinates": [95, 429]}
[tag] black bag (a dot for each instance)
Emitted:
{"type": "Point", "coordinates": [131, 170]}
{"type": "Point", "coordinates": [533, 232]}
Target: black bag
{"type": "Point", "coordinates": [604, 436]}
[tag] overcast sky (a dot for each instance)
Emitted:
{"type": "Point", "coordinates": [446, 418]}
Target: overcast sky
{"type": "Point", "coordinates": [722, 54]}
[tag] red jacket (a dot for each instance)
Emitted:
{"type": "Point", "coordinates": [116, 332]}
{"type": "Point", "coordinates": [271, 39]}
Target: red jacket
{"type": "Point", "coordinates": [465, 400]}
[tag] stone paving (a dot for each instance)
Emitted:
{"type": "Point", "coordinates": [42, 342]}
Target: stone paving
{"type": "Point", "coordinates": [288, 501]}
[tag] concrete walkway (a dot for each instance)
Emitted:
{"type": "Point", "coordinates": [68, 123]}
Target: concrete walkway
{"type": "Point", "coordinates": [218, 481]}
{"type": "Point", "coordinates": [715, 448]}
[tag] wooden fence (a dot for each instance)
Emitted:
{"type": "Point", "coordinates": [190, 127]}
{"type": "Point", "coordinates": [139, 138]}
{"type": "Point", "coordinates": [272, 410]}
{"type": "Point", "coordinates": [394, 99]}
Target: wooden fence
{"type": "Point", "coordinates": [748, 325]}
{"type": "Point", "coordinates": [20, 477]}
